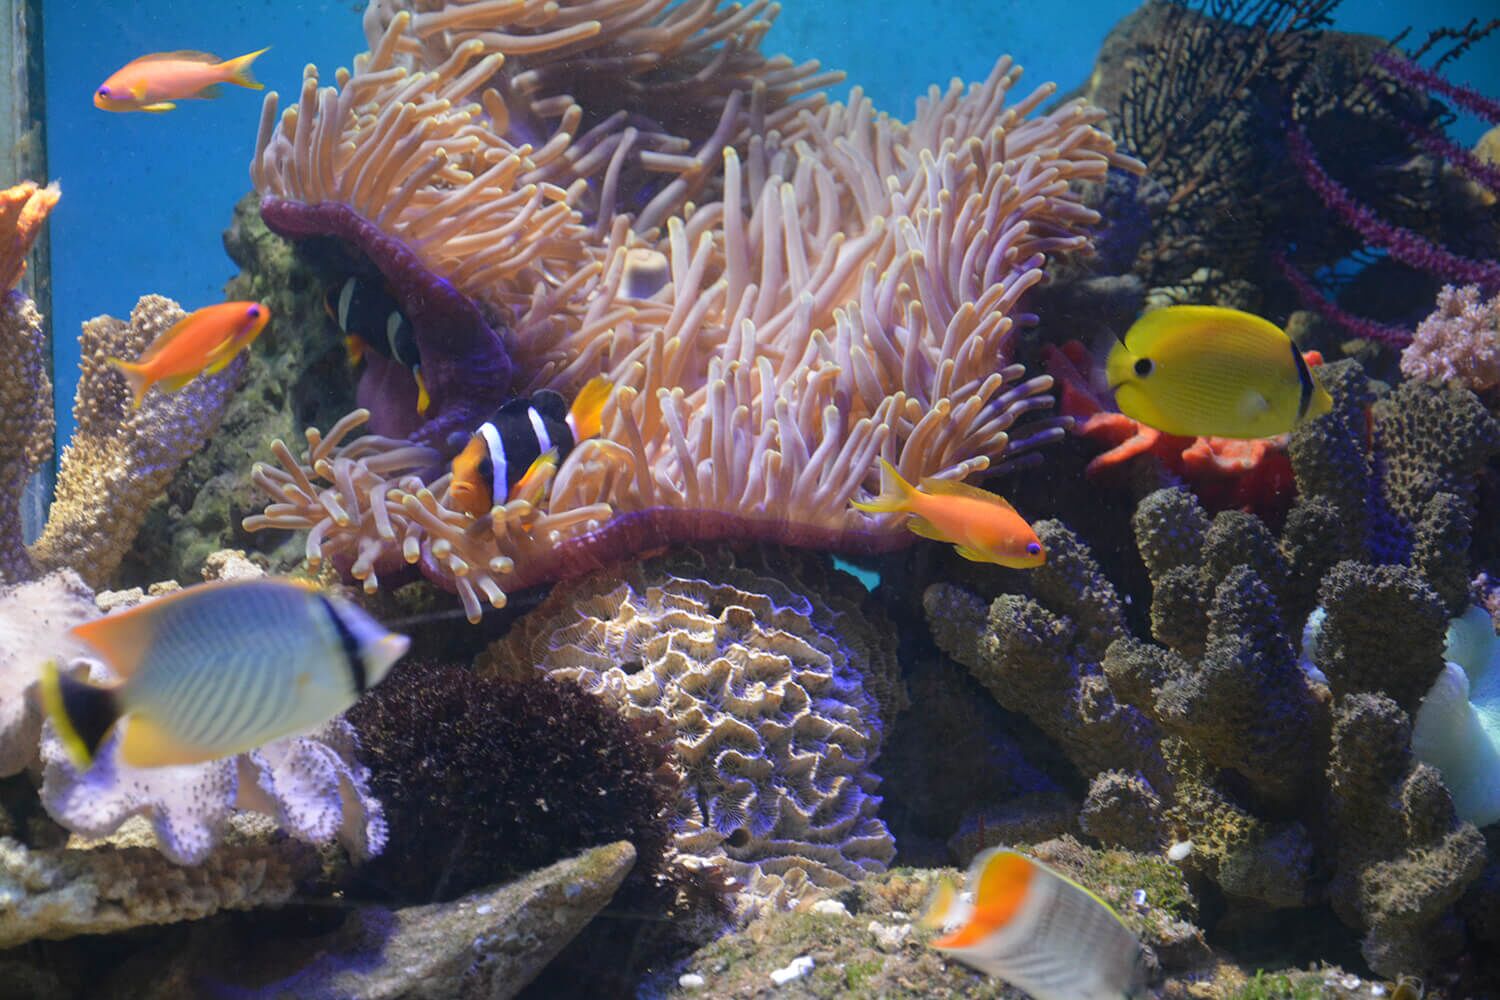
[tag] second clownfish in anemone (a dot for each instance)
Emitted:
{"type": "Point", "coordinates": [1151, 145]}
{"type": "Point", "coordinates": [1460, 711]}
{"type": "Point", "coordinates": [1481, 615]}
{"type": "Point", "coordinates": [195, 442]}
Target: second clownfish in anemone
{"type": "Point", "coordinates": [982, 525]}
{"type": "Point", "coordinates": [370, 318]}
{"type": "Point", "coordinates": [204, 341]}
{"type": "Point", "coordinates": [523, 437]}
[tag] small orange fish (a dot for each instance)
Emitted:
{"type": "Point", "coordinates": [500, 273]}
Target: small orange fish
{"type": "Point", "coordinates": [152, 83]}
{"type": "Point", "coordinates": [202, 341]}
{"type": "Point", "coordinates": [982, 525]}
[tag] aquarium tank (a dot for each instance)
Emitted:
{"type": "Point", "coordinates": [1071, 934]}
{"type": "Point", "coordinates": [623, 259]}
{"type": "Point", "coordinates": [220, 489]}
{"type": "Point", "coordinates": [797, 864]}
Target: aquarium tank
{"type": "Point", "coordinates": [746, 499]}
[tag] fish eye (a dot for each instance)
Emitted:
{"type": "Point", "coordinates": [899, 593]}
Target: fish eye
{"type": "Point", "coordinates": [254, 312]}
{"type": "Point", "coordinates": [103, 91]}
{"type": "Point", "coordinates": [486, 467]}
{"type": "Point", "coordinates": [1034, 548]}
{"type": "Point", "coordinates": [1144, 367]}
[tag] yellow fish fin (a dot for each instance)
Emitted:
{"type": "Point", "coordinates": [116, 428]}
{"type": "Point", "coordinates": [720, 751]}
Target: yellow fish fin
{"type": "Point", "coordinates": [159, 107]}
{"type": "Point", "coordinates": [219, 358]}
{"type": "Point", "coordinates": [176, 382]}
{"type": "Point", "coordinates": [957, 488]}
{"type": "Point", "coordinates": [895, 493]}
{"type": "Point", "coordinates": [354, 349]}
{"type": "Point", "coordinates": [239, 70]}
{"type": "Point", "coordinates": [944, 896]}
{"type": "Point", "coordinates": [586, 417]}
{"type": "Point", "coordinates": [531, 480]}
{"type": "Point", "coordinates": [135, 377]}
{"type": "Point", "coordinates": [424, 401]}
{"type": "Point", "coordinates": [149, 744]}
{"type": "Point", "coordinates": [82, 713]}
{"type": "Point", "coordinates": [973, 555]}
{"type": "Point", "coordinates": [181, 55]}
{"type": "Point", "coordinates": [923, 528]}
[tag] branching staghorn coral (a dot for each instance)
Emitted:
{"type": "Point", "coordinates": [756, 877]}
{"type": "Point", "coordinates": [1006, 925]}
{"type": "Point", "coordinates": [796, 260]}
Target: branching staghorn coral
{"type": "Point", "coordinates": [853, 295]}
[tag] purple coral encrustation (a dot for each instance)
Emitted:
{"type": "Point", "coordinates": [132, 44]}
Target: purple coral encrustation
{"type": "Point", "coordinates": [464, 361]}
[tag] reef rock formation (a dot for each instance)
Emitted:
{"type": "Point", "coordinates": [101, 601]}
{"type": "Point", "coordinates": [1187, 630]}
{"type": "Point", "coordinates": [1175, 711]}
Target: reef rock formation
{"type": "Point", "coordinates": [779, 698]}
{"type": "Point", "coordinates": [487, 945]}
{"type": "Point", "coordinates": [1218, 736]}
{"type": "Point", "coordinates": [34, 619]}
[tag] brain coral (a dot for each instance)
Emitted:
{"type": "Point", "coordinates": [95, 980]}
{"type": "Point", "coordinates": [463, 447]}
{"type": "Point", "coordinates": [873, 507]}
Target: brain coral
{"type": "Point", "coordinates": [779, 701]}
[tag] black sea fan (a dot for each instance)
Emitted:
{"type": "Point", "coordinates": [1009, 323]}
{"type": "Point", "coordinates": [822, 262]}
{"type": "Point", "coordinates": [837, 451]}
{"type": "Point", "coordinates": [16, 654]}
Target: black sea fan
{"type": "Point", "coordinates": [483, 779]}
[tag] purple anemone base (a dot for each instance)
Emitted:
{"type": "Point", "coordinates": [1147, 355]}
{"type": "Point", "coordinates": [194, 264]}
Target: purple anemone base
{"type": "Point", "coordinates": [464, 361]}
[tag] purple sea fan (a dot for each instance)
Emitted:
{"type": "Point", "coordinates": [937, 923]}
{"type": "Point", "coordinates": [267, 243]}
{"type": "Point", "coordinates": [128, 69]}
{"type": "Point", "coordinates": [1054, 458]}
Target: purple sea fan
{"type": "Point", "coordinates": [1459, 342]}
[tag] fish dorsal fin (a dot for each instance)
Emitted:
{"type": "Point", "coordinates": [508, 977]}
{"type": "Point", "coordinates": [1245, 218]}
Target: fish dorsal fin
{"type": "Point", "coordinates": [181, 55]}
{"type": "Point", "coordinates": [164, 338]}
{"type": "Point", "coordinates": [957, 488]}
{"type": "Point", "coordinates": [550, 404]}
{"type": "Point", "coordinates": [1000, 880]}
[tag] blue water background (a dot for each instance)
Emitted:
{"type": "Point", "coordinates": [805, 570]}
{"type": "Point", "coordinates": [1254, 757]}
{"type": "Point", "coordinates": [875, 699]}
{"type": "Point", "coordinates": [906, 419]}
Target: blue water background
{"type": "Point", "coordinates": [146, 197]}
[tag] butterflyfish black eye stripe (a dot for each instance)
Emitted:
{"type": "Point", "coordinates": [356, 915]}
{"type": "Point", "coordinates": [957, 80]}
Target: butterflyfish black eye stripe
{"type": "Point", "coordinates": [349, 644]}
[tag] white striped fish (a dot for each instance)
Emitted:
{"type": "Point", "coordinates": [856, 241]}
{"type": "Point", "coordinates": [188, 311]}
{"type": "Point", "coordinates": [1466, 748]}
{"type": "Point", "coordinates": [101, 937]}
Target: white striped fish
{"type": "Point", "coordinates": [1040, 931]}
{"type": "Point", "coordinates": [218, 669]}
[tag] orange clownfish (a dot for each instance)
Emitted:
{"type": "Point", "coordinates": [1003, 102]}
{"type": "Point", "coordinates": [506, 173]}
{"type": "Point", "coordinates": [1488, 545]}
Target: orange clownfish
{"type": "Point", "coordinates": [152, 83]}
{"type": "Point", "coordinates": [524, 436]}
{"type": "Point", "coordinates": [1039, 930]}
{"type": "Point", "coordinates": [982, 525]}
{"type": "Point", "coordinates": [202, 341]}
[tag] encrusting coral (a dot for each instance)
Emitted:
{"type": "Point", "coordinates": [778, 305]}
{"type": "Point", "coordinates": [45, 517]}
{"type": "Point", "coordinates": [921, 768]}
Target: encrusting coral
{"type": "Point", "coordinates": [845, 287]}
{"type": "Point", "coordinates": [779, 701]}
{"type": "Point", "coordinates": [1290, 790]}
{"type": "Point", "coordinates": [34, 619]}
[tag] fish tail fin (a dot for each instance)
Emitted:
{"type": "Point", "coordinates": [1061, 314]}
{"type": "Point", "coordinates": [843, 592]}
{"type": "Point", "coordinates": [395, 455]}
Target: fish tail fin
{"type": "Point", "coordinates": [424, 398]}
{"type": "Point", "coordinates": [895, 493]}
{"type": "Point", "coordinates": [135, 375]}
{"type": "Point", "coordinates": [239, 70]}
{"type": "Point", "coordinates": [82, 713]}
{"type": "Point", "coordinates": [587, 415]}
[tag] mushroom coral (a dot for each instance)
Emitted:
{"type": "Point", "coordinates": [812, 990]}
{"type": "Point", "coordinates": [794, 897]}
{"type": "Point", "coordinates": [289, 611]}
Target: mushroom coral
{"type": "Point", "coordinates": [838, 286]}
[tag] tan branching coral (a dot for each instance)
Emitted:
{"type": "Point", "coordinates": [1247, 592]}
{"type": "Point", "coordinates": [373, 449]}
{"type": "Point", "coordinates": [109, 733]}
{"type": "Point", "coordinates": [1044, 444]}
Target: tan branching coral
{"type": "Point", "coordinates": [122, 458]}
{"type": "Point", "coordinates": [23, 212]}
{"type": "Point", "coordinates": [780, 692]}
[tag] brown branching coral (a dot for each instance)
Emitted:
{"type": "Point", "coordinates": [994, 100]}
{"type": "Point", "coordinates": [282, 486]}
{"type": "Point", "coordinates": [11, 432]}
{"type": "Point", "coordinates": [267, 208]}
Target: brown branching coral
{"type": "Point", "coordinates": [849, 290]}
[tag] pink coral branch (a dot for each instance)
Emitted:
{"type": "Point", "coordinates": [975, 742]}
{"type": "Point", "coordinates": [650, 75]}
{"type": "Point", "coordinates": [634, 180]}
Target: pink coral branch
{"type": "Point", "coordinates": [1402, 244]}
{"type": "Point", "coordinates": [1467, 98]}
{"type": "Point", "coordinates": [1319, 303]}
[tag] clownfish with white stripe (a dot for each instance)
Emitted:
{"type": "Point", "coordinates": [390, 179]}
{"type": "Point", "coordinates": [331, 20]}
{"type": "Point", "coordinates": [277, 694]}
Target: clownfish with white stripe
{"type": "Point", "coordinates": [1038, 930]}
{"type": "Point", "coordinates": [524, 436]}
{"type": "Point", "coordinates": [371, 319]}
{"type": "Point", "coordinates": [219, 669]}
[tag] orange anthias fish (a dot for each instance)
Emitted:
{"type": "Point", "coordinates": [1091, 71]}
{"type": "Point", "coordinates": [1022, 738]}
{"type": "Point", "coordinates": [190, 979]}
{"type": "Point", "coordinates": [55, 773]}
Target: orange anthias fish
{"type": "Point", "coordinates": [154, 82]}
{"type": "Point", "coordinates": [983, 526]}
{"type": "Point", "coordinates": [202, 341]}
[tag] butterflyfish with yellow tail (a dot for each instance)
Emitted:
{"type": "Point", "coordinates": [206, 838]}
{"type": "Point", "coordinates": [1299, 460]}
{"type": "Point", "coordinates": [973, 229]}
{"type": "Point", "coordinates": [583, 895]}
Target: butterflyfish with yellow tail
{"type": "Point", "coordinates": [154, 82]}
{"type": "Point", "coordinates": [523, 437]}
{"type": "Point", "coordinates": [370, 319]}
{"type": "Point", "coordinates": [1206, 371]}
{"type": "Point", "coordinates": [1039, 931]}
{"type": "Point", "coordinates": [982, 525]}
{"type": "Point", "coordinates": [219, 669]}
{"type": "Point", "coordinates": [203, 342]}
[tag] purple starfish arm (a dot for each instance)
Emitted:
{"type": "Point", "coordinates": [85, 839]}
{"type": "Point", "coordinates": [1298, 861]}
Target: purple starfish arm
{"type": "Point", "coordinates": [464, 361]}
